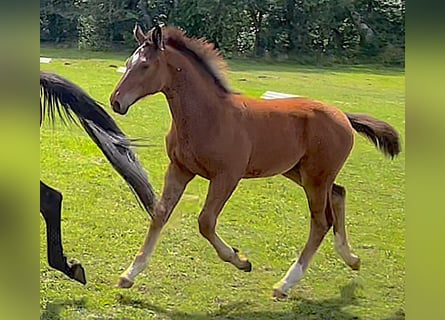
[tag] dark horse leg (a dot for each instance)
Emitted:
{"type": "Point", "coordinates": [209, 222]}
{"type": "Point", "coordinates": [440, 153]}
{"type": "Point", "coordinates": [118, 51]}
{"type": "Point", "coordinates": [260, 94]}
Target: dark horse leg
{"type": "Point", "coordinates": [50, 207]}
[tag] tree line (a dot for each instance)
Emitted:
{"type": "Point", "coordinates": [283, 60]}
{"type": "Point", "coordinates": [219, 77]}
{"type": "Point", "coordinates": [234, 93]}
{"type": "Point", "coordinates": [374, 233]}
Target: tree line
{"type": "Point", "coordinates": [306, 30]}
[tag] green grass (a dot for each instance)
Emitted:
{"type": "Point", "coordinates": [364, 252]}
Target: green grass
{"type": "Point", "coordinates": [267, 219]}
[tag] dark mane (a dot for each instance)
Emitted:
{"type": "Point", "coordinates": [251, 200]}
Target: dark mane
{"type": "Point", "coordinates": [202, 52]}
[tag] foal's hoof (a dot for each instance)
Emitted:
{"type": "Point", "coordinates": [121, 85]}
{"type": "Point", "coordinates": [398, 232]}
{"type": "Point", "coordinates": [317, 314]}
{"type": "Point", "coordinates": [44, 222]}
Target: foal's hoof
{"type": "Point", "coordinates": [247, 266]}
{"type": "Point", "coordinates": [278, 294]}
{"type": "Point", "coordinates": [356, 264]}
{"type": "Point", "coordinates": [124, 283]}
{"type": "Point", "coordinates": [77, 272]}
{"type": "Point", "coordinates": [242, 263]}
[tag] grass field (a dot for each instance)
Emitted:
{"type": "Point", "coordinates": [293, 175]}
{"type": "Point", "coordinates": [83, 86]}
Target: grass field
{"type": "Point", "coordinates": [267, 219]}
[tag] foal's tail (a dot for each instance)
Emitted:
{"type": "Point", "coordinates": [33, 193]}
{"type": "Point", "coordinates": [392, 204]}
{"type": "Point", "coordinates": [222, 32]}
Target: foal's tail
{"type": "Point", "coordinates": [381, 134]}
{"type": "Point", "coordinates": [58, 95]}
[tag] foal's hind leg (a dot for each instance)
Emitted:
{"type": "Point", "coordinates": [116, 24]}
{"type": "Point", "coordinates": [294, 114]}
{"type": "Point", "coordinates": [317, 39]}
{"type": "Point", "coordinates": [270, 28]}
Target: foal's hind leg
{"type": "Point", "coordinates": [341, 243]}
{"type": "Point", "coordinates": [176, 179]}
{"type": "Point", "coordinates": [50, 207]}
{"type": "Point", "coordinates": [220, 189]}
{"type": "Point", "coordinates": [319, 197]}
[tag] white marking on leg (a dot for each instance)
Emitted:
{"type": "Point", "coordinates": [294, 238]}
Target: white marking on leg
{"type": "Point", "coordinates": [135, 268]}
{"type": "Point", "coordinates": [292, 277]}
{"type": "Point", "coordinates": [142, 259]}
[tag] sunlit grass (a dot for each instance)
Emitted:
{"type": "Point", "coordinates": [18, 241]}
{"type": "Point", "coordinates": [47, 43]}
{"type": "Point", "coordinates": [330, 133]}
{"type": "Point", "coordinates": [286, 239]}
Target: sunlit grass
{"type": "Point", "coordinates": [267, 219]}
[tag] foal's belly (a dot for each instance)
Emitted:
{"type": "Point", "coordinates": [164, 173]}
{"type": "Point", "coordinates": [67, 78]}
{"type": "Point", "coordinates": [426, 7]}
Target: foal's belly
{"type": "Point", "coordinates": [270, 160]}
{"type": "Point", "coordinates": [277, 143]}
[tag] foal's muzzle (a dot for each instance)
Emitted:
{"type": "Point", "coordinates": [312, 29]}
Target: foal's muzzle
{"type": "Point", "coordinates": [116, 105]}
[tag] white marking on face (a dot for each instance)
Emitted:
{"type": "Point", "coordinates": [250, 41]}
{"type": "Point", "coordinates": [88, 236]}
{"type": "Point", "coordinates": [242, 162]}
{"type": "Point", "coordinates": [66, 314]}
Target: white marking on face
{"type": "Point", "coordinates": [135, 58]}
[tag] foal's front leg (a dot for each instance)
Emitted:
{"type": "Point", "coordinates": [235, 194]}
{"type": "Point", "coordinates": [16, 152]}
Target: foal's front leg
{"type": "Point", "coordinates": [176, 179]}
{"type": "Point", "coordinates": [220, 189]}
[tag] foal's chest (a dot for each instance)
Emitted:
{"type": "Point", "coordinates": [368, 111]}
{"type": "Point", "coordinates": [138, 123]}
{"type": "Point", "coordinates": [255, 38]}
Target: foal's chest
{"type": "Point", "coordinates": [190, 157]}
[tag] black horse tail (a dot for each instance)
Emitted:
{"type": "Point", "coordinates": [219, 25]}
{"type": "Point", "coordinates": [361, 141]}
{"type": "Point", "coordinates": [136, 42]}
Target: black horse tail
{"type": "Point", "coordinates": [61, 96]}
{"type": "Point", "coordinates": [381, 134]}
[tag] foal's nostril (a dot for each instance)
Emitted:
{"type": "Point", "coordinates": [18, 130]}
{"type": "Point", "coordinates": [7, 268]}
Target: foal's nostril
{"type": "Point", "coordinates": [116, 106]}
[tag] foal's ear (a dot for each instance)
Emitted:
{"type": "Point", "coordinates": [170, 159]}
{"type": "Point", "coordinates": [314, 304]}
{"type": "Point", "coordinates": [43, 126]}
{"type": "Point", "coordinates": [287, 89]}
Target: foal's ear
{"type": "Point", "coordinates": [157, 37]}
{"type": "Point", "coordinates": [138, 34]}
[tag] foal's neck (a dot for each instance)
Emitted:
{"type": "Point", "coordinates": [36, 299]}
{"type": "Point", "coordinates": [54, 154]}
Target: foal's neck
{"type": "Point", "coordinates": [193, 97]}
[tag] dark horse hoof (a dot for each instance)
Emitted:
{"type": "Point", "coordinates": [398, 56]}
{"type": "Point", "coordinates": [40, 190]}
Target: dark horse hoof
{"type": "Point", "coordinates": [77, 272]}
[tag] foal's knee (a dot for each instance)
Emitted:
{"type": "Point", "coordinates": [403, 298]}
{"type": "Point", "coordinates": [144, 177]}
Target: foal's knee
{"type": "Point", "coordinates": [160, 215]}
{"type": "Point", "coordinates": [321, 220]}
{"type": "Point", "coordinates": [325, 224]}
{"type": "Point", "coordinates": [318, 215]}
{"type": "Point", "coordinates": [206, 226]}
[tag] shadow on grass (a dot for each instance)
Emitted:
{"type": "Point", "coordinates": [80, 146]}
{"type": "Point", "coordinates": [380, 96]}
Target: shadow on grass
{"type": "Point", "coordinates": [53, 309]}
{"type": "Point", "coordinates": [301, 309]}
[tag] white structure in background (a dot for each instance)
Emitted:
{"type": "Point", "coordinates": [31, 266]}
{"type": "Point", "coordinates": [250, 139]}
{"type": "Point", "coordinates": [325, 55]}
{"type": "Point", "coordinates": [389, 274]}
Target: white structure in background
{"type": "Point", "coordinates": [45, 60]}
{"type": "Point", "coordinates": [276, 95]}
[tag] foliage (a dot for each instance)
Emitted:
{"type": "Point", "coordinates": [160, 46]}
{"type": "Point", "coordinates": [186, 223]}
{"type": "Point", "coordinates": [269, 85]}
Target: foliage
{"type": "Point", "coordinates": [346, 29]}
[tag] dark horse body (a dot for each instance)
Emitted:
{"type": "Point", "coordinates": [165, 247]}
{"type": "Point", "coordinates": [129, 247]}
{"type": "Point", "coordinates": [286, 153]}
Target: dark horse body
{"type": "Point", "coordinates": [63, 98]}
{"type": "Point", "coordinates": [226, 137]}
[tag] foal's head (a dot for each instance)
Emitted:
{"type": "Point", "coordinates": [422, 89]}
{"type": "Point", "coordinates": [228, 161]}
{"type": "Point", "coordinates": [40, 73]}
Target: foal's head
{"type": "Point", "coordinates": [146, 70]}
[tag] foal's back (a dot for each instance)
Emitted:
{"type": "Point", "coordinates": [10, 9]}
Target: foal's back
{"type": "Point", "coordinates": [297, 109]}
{"type": "Point", "coordinates": [283, 131]}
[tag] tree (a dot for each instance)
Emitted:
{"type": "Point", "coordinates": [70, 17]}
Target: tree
{"type": "Point", "coordinates": [318, 29]}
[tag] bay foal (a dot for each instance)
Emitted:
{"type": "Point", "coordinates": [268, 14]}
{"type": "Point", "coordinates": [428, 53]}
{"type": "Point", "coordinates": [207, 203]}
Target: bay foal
{"type": "Point", "coordinates": [225, 137]}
